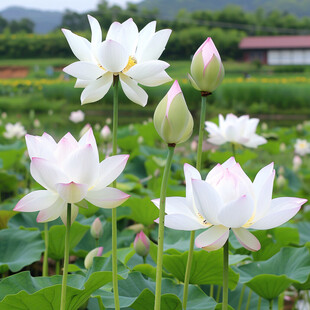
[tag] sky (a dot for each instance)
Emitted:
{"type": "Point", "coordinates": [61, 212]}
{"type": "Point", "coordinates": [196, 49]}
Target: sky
{"type": "Point", "coordinates": [60, 5]}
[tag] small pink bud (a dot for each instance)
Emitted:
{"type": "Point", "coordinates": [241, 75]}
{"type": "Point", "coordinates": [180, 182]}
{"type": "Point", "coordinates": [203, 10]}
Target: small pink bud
{"type": "Point", "coordinates": [105, 132]}
{"type": "Point", "coordinates": [96, 229]}
{"type": "Point", "coordinates": [142, 244]}
{"type": "Point", "coordinates": [90, 256]}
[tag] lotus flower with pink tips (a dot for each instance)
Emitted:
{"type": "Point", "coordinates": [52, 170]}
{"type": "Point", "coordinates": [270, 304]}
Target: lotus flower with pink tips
{"type": "Point", "coordinates": [228, 199]}
{"type": "Point", "coordinates": [70, 172]}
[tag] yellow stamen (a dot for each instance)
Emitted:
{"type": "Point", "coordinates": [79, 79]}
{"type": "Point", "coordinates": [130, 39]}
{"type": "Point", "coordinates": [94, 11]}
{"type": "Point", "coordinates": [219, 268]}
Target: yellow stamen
{"type": "Point", "coordinates": [131, 62]}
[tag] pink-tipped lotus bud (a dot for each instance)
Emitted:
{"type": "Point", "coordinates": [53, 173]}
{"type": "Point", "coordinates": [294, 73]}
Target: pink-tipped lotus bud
{"type": "Point", "coordinates": [297, 162]}
{"type": "Point", "coordinates": [96, 229]}
{"type": "Point", "coordinates": [142, 244]}
{"type": "Point", "coordinates": [207, 70]}
{"type": "Point", "coordinates": [105, 132]}
{"type": "Point", "coordinates": [172, 119]}
{"type": "Point", "coordinates": [90, 256]}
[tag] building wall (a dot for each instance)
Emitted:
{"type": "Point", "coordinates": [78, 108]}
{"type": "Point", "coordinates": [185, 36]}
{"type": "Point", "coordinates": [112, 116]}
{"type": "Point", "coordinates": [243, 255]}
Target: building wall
{"type": "Point", "coordinates": [288, 57]}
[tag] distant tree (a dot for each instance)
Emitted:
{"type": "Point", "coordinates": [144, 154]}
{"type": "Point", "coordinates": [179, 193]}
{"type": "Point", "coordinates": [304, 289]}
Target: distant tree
{"type": "Point", "coordinates": [24, 25]}
{"type": "Point", "coordinates": [74, 21]}
{"type": "Point", "coordinates": [3, 23]}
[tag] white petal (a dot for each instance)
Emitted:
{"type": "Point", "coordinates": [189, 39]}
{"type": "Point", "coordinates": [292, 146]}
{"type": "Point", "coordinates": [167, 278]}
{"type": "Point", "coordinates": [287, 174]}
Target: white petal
{"type": "Point", "coordinates": [82, 166]}
{"type": "Point", "coordinates": [281, 210]}
{"type": "Point", "coordinates": [43, 146]}
{"type": "Point", "coordinates": [65, 147]}
{"type": "Point", "coordinates": [36, 201]}
{"type": "Point", "coordinates": [255, 141]}
{"type": "Point", "coordinates": [46, 173]}
{"type": "Point", "coordinates": [134, 92]}
{"type": "Point", "coordinates": [207, 201]}
{"type": "Point", "coordinates": [74, 213]}
{"type": "Point", "coordinates": [79, 46]}
{"type": "Point", "coordinates": [263, 197]}
{"type": "Point", "coordinates": [144, 36]}
{"type": "Point", "coordinates": [81, 83]}
{"type": "Point", "coordinates": [96, 90]}
{"type": "Point", "coordinates": [249, 241]}
{"type": "Point", "coordinates": [262, 177]}
{"type": "Point", "coordinates": [156, 80]}
{"type": "Point", "coordinates": [213, 238]}
{"type": "Point", "coordinates": [107, 198]}
{"type": "Point", "coordinates": [155, 46]}
{"type": "Point", "coordinates": [53, 212]}
{"type": "Point", "coordinates": [109, 170]}
{"type": "Point", "coordinates": [218, 140]}
{"type": "Point", "coordinates": [190, 173]}
{"type": "Point", "coordinates": [112, 56]}
{"type": "Point", "coordinates": [96, 33]}
{"type": "Point", "coordinates": [89, 138]}
{"type": "Point", "coordinates": [72, 192]}
{"type": "Point", "coordinates": [84, 70]}
{"type": "Point", "coordinates": [177, 205]}
{"type": "Point", "coordinates": [229, 162]}
{"type": "Point", "coordinates": [237, 213]}
{"type": "Point", "coordinates": [129, 36]}
{"type": "Point", "coordinates": [147, 69]}
{"type": "Point", "coordinates": [182, 222]}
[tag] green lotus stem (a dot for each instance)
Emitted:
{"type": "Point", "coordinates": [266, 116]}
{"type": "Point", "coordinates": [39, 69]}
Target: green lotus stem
{"type": "Point", "coordinates": [161, 227]}
{"type": "Point", "coordinates": [66, 260]}
{"type": "Point", "coordinates": [100, 303]}
{"type": "Point", "coordinates": [57, 267]}
{"type": "Point", "coordinates": [259, 303]}
{"type": "Point", "coordinates": [211, 290]}
{"type": "Point", "coordinates": [225, 277]}
{"type": "Point", "coordinates": [241, 297]}
{"type": "Point", "coordinates": [233, 147]}
{"type": "Point", "coordinates": [114, 215]}
{"type": "Point", "coordinates": [218, 293]}
{"type": "Point", "coordinates": [248, 301]}
{"type": "Point", "coordinates": [45, 257]}
{"type": "Point", "coordinates": [198, 166]}
{"type": "Point", "coordinates": [270, 304]}
{"type": "Point", "coordinates": [281, 301]}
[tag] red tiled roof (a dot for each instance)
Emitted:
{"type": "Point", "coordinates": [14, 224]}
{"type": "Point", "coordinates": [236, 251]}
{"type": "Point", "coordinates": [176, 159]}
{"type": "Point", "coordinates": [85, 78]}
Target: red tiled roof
{"type": "Point", "coordinates": [275, 42]}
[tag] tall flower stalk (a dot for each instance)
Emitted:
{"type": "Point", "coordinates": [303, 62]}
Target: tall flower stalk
{"type": "Point", "coordinates": [225, 276]}
{"type": "Point", "coordinates": [198, 166]}
{"type": "Point", "coordinates": [66, 260]}
{"type": "Point", "coordinates": [174, 123]}
{"type": "Point", "coordinates": [161, 227]}
{"type": "Point", "coordinates": [45, 257]}
{"type": "Point", "coordinates": [114, 214]}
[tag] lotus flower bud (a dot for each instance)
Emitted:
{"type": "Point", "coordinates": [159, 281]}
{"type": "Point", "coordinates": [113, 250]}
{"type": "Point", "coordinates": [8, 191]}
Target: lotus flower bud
{"type": "Point", "coordinates": [96, 229]}
{"type": "Point", "coordinates": [172, 119]}
{"type": "Point", "coordinates": [90, 256]}
{"type": "Point", "coordinates": [105, 132]}
{"type": "Point", "coordinates": [142, 244]}
{"type": "Point", "coordinates": [297, 162]}
{"type": "Point", "coordinates": [207, 70]}
{"type": "Point", "coordinates": [281, 181]}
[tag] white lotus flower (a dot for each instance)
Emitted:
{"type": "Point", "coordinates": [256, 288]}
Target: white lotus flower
{"type": "Point", "coordinates": [70, 171]}
{"type": "Point", "coordinates": [240, 130]}
{"type": "Point", "coordinates": [126, 52]}
{"type": "Point", "coordinates": [77, 116]}
{"type": "Point", "coordinates": [226, 200]}
{"type": "Point", "coordinates": [302, 147]}
{"type": "Point", "coordinates": [14, 131]}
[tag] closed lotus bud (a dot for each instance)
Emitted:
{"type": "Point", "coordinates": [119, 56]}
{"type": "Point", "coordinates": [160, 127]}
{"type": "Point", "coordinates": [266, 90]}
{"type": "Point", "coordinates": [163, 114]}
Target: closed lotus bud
{"type": "Point", "coordinates": [105, 132]}
{"type": "Point", "coordinates": [282, 147]}
{"type": "Point", "coordinates": [297, 162]}
{"type": "Point", "coordinates": [142, 244]}
{"type": "Point", "coordinates": [207, 70]}
{"type": "Point", "coordinates": [88, 261]}
{"type": "Point", "coordinates": [172, 119]}
{"type": "Point", "coordinates": [96, 229]}
{"type": "Point", "coordinates": [281, 181]}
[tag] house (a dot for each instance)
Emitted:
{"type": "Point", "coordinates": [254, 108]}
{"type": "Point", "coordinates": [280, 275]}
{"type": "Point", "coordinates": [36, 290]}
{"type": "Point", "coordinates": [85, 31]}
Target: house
{"type": "Point", "coordinates": [277, 50]}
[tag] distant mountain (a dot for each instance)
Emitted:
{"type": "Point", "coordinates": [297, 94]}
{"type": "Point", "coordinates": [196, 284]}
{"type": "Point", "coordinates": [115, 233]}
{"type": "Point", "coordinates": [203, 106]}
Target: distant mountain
{"type": "Point", "coordinates": [45, 21]}
{"type": "Point", "coordinates": [168, 9]}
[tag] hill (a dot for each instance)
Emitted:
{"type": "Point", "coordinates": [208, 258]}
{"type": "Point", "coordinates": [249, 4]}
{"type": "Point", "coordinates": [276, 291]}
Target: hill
{"type": "Point", "coordinates": [168, 9]}
{"type": "Point", "coordinates": [45, 21]}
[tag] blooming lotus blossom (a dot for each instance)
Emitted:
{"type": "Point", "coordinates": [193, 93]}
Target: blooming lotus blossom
{"type": "Point", "coordinates": [228, 199]}
{"type": "Point", "coordinates": [240, 130]}
{"type": "Point", "coordinates": [77, 116]}
{"type": "Point", "coordinates": [126, 52]}
{"type": "Point", "coordinates": [172, 119]}
{"type": "Point", "coordinates": [302, 147]}
{"type": "Point", "coordinates": [14, 131]}
{"type": "Point", "coordinates": [70, 172]}
{"type": "Point", "coordinates": [207, 70]}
